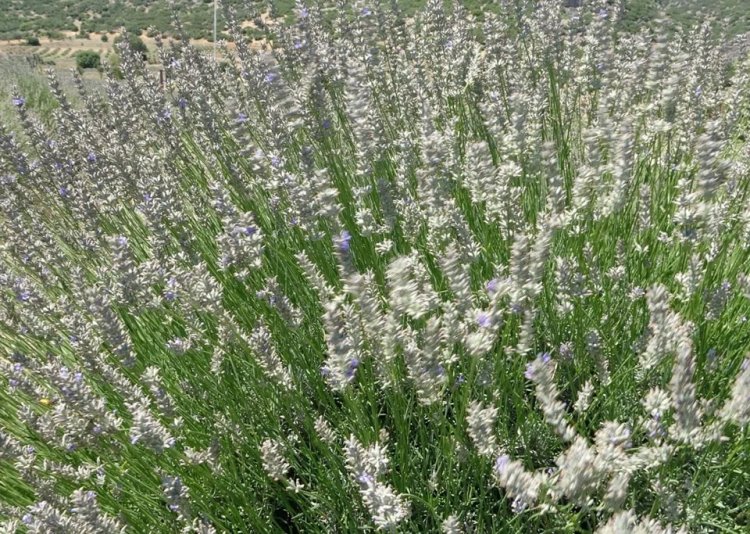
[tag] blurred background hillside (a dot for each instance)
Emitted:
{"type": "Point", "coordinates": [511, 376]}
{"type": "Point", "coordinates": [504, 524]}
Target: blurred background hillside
{"type": "Point", "coordinates": [57, 18]}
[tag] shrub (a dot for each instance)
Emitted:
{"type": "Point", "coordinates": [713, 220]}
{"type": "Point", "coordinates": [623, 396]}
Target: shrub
{"type": "Point", "coordinates": [136, 45]}
{"type": "Point", "coordinates": [33, 41]}
{"type": "Point", "coordinates": [105, 38]}
{"type": "Point", "coordinates": [88, 59]}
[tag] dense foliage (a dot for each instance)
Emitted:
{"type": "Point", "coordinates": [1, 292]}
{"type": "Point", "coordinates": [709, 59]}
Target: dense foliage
{"type": "Point", "coordinates": [136, 44]}
{"type": "Point", "coordinates": [21, 17]}
{"type": "Point", "coordinates": [432, 275]}
{"type": "Point", "coordinates": [88, 59]}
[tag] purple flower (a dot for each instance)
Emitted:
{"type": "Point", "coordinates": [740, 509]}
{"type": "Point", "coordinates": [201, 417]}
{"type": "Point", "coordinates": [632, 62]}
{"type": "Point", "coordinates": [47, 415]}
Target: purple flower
{"type": "Point", "coordinates": [325, 371]}
{"type": "Point", "coordinates": [529, 373]}
{"type": "Point", "coordinates": [326, 123]}
{"type": "Point", "coordinates": [241, 118]}
{"type": "Point", "coordinates": [698, 91]}
{"type": "Point", "coordinates": [518, 505]}
{"type": "Point", "coordinates": [24, 296]}
{"type": "Point", "coordinates": [491, 286]}
{"type": "Point", "coordinates": [182, 103]}
{"type": "Point", "coordinates": [19, 101]}
{"type": "Point", "coordinates": [366, 11]}
{"type": "Point", "coordinates": [170, 295]}
{"type": "Point", "coordinates": [298, 45]}
{"type": "Point", "coordinates": [484, 320]}
{"type": "Point", "coordinates": [351, 367]}
{"type": "Point", "coordinates": [602, 13]}
{"type": "Point", "coordinates": [165, 114]}
{"type": "Point", "coordinates": [271, 77]}
{"type": "Point", "coordinates": [344, 238]}
{"type": "Point", "coordinates": [27, 519]}
{"type": "Point", "coordinates": [63, 191]}
{"type": "Point", "coordinates": [745, 364]}
{"type": "Point", "coordinates": [501, 464]}
{"type": "Point", "coordinates": [249, 230]}
{"type": "Point", "coordinates": [91, 158]}
{"type": "Point", "coordinates": [304, 13]}
{"type": "Point", "coordinates": [276, 161]}
{"type": "Point", "coordinates": [365, 479]}
{"type": "Point", "coordinates": [545, 356]}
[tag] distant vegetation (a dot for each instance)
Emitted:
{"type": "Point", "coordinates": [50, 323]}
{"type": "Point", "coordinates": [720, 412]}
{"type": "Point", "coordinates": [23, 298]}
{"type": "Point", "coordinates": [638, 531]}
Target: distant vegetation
{"type": "Point", "coordinates": [136, 44]}
{"type": "Point", "coordinates": [42, 17]}
{"type": "Point", "coordinates": [88, 59]}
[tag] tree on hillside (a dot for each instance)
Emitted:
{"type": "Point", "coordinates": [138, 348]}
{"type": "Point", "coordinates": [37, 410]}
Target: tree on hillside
{"type": "Point", "coordinates": [88, 59]}
{"type": "Point", "coordinates": [136, 44]}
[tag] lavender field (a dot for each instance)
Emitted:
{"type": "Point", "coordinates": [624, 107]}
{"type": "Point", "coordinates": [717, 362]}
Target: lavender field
{"type": "Point", "coordinates": [414, 274]}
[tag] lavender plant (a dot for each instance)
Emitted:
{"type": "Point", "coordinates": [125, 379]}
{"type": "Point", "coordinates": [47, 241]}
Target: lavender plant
{"type": "Point", "coordinates": [415, 275]}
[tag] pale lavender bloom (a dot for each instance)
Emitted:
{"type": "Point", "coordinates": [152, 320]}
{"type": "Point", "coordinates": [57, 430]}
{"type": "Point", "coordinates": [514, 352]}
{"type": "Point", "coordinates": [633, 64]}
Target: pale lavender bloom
{"type": "Point", "coordinates": [492, 285]}
{"type": "Point", "coordinates": [484, 320]}
{"type": "Point", "coordinates": [343, 242]}
{"type": "Point", "coordinates": [19, 101]}
{"type": "Point", "coordinates": [501, 464]}
{"type": "Point", "coordinates": [365, 479]}
{"type": "Point", "coordinates": [352, 368]}
{"type": "Point", "coordinates": [518, 505]}
{"type": "Point", "coordinates": [241, 118]}
{"type": "Point", "coordinates": [529, 373]}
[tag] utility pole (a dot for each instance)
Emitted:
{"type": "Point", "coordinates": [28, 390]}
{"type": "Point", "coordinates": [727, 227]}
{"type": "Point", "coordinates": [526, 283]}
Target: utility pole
{"type": "Point", "coordinates": [216, 9]}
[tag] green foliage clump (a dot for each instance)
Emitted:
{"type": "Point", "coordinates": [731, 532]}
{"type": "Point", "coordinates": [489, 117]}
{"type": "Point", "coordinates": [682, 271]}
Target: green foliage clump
{"type": "Point", "coordinates": [136, 44]}
{"type": "Point", "coordinates": [88, 59]}
{"type": "Point", "coordinates": [33, 41]}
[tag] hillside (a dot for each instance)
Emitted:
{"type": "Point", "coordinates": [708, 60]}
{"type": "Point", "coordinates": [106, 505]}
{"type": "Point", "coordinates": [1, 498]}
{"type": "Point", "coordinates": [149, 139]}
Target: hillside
{"type": "Point", "coordinates": [52, 18]}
